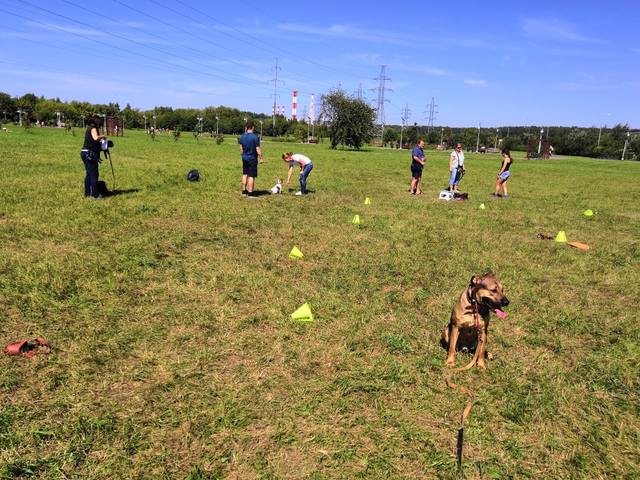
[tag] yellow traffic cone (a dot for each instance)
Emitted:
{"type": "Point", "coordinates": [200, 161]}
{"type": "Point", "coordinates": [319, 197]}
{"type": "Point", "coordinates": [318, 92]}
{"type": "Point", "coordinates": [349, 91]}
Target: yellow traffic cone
{"type": "Point", "coordinates": [356, 220]}
{"type": "Point", "coordinates": [588, 213]}
{"type": "Point", "coordinates": [367, 201]}
{"type": "Point", "coordinates": [303, 314]}
{"type": "Point", "coordinates": [482, 207]}
{"type": "Point", "coordinates": [561, 237]}
{"type": "Point", "coordinates": [295, 253]}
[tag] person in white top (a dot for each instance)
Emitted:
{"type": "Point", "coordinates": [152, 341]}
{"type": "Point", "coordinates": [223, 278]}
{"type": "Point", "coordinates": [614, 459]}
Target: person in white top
{"type": "Point", "coordinates": [305, 164]}
{"type": "Point", "coordinates": [456, 168]}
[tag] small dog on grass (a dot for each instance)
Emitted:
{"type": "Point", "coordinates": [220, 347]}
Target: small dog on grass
{"type": "Point", "coordinates": [469, 324]}
{"type": "Point", "coordinates": [277, 188]}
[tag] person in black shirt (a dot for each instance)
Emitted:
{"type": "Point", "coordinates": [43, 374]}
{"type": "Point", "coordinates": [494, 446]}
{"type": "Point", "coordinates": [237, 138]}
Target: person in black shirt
{"type": "Point", "coordinates": [504, 174]}
{"type": "Point", "coordinates": [90, 155]}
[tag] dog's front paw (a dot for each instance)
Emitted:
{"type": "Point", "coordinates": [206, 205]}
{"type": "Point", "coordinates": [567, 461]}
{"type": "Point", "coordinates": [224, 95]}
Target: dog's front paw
{"type": "Point", "coordinates": [488, 355]}
{"type": "Point", "coordinates": [450, 362]}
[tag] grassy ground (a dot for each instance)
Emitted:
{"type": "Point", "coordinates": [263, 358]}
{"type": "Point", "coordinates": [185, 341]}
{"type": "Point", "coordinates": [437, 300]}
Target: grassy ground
{"type": "Point", "coordinates": [176, 358]}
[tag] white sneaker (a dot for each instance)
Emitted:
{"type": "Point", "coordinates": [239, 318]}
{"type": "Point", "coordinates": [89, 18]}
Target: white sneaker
{"type": "Point", "coordinates": [298, 193]}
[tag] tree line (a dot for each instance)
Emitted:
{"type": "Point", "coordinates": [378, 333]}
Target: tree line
{"type": "Point", "coordinates": [587, 142]}
{"type": "Point", "coordinates": [344, 119]}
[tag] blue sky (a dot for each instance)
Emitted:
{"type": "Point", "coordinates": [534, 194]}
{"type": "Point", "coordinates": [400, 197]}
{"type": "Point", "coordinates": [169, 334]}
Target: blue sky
{"type": "Point", "coordinates": [495, 63]}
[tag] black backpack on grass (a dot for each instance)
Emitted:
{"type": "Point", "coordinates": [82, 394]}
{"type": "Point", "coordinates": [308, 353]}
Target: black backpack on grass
{"type": "Point", "coordinates": [193, 176]}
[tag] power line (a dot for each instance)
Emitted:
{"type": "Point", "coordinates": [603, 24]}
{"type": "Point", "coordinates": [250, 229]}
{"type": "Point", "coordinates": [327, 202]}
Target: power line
{"type": "Point", "coordinates": [243, 35]}
{"type": "Point", "coordinates": [244, 79]}
{"type": "Point", "coordinates": [382, 89]}
{"type": "Point", "coordinates": [432, 114]}
{"type": "Point", "coordinates": [275, 92]}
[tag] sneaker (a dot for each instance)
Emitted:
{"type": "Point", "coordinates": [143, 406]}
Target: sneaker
{"type": "Point", "coordinates": [496, 195]}
{"type": "Point", "coordinates": [506, 196]}
{"type": "Point", "coordinates": [99, 197]}
{"type": "Point", "coordinates": [251, 195]}
{"type": "Point", "coordinates": [299, 193]}
{"type": "Point", "coordinates": [244, 193]}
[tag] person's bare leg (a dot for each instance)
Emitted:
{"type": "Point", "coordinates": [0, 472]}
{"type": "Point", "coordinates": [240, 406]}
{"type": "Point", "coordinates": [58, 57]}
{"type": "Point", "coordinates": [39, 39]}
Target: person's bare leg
{"type": "Point", "coordinates": [504, 188]}
{"type": "Point", "coordinates": [497, 187]}
{"type": "Point", "coordinates": [244, 183]}
{"type": "Point", "coordinates": [412, 187]}
{"type": "Point", "coordinates": [419, 186]}
{"type": "Point", "coordinates": [250, 182]}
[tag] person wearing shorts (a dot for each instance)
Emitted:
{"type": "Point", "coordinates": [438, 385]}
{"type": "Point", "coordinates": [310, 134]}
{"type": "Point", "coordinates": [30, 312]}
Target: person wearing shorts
{"type": "Point", "coordinates": [504, 174]}
{"type": "Point", "coordinates": [305, 164]}
{"type": "Point", "coordinates": [417, 164]}
{"type": "Point", "coordinates": [250, 152]}
{"type": "Point", "coordinates": [456, 168]}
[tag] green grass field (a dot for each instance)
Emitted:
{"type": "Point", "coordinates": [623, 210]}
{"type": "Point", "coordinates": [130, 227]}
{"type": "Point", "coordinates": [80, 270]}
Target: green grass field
{"type": "Point", "coordinates": [176, 357]}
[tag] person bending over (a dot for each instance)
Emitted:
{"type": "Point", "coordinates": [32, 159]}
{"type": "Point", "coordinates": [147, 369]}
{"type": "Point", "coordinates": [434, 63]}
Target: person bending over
{"type": "Point", "coordinates": [305, 165]}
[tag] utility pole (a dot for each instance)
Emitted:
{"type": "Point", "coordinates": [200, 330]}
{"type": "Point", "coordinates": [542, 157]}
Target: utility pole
{"type": "Point", "coordinates": [626, 143]}
{"type": "Point", "coordinates": [217, 123]}
{"type": "Point", "coordinates": [20, 112]}
{"type": "Point", "coordinates": [497, 133]}
{"type": "Point", "coordinates": [478, 140]}
{"type": "Point", "coordinates": [441, 135]}
{"type": "Point", "coordinates": [382, 88]}
{"type": "Point", "coordinates": [312, 113]}
{"type": "Point", "coordinates": [275, 94]}
{"type": "Point", "coordinates": [359, 94]}
{"type": "Point", "coordinates": [432, 114]}
{"type": "Point", "coordinates": [143, 116]}
{"type": "Point", "coordinates": [540, 142]}
{"type": "Point", "coordinates": [404, 117]}
{"type": "Point", "coordinates": [261, 122]}
{"type": "Point", "coordinates": [200, 125]}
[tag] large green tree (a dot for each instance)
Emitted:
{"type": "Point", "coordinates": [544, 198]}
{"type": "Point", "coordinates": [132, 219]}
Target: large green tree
{"type": "Point", "coordinates": [351, 120]}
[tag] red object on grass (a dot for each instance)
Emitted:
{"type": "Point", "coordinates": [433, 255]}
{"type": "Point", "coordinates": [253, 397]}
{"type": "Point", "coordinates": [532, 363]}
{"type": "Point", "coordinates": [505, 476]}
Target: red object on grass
{"type": "Point", "coordinates": [28, 349]}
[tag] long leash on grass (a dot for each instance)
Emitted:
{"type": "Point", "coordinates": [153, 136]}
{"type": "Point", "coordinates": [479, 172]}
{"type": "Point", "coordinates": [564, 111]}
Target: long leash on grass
{"type": "Point", "coordinates": [463, 417]}
{"type": "Point", "coordinates": [469, 406]}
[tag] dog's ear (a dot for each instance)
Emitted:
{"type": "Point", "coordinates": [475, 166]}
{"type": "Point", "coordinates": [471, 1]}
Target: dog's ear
{"type": "Point", "coordinates": [475, 281]}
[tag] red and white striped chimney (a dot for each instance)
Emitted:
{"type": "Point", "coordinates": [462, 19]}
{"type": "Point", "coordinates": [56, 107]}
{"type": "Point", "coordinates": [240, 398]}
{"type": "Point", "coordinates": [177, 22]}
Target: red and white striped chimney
{"type": "Point", "coordinates": [294, 106]}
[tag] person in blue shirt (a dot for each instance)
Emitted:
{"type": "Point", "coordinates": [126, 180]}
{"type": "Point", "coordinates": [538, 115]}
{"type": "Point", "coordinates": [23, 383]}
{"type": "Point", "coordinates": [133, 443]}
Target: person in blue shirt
{"type": "Point", "coordinates": [251, 153]}
{"type": "Point", "coordinates": [417, 164]}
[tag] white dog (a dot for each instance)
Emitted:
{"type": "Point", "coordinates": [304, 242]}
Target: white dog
{"type": "Point", "coordinates": [277, 188]}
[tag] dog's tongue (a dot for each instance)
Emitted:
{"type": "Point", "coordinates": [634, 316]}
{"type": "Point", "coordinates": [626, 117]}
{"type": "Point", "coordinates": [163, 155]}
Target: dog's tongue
{"type": "Point", "coordinates": [500, 313]}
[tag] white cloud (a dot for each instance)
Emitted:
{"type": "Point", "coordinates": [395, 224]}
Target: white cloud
{"type": "Point", "coordinates": [351, 32]}
{"type": "Point", "coordinates": [474, 82]}
{"type": "Point", "coordinates": [553, 29]}
{"type": "Point", "coordinates": [65, 28]}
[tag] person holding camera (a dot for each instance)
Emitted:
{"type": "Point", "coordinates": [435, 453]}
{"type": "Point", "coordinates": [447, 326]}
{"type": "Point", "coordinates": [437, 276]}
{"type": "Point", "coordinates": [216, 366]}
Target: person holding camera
{"type": "Point", "coordinates": [90, 155]}
{"type": "Point", "coordinates": [456, 168]}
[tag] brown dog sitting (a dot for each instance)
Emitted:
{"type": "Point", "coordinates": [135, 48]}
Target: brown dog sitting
{"type": "Point", "coordinates": [469, 322]}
